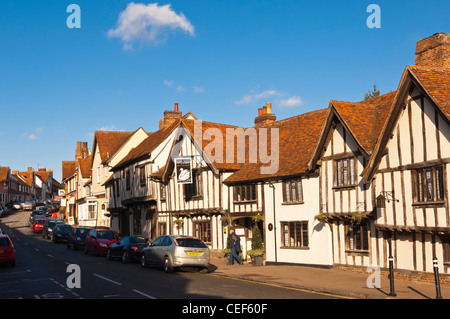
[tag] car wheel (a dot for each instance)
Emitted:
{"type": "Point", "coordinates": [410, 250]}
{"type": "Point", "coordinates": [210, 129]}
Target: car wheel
{"type": "Point", "coordinates": [85, 249]}
{"type": "Point", "coordinates": [167, 266]}
{"type": "Point", "coordinates": [143, 261]}
{"type": "Point", "coordinates": [108, 255]}
{"type": "Point", "coordinates": [125, 257]}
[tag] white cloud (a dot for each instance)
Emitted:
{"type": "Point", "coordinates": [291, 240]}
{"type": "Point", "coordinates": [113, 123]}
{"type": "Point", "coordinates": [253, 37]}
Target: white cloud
{"type": "Point", "coordinates": [168, 83]}
{"type": "Point", "coordinates": [292, 101]}
{"type": "Point", "coordinates": [148, 24]}
{"type": "Point", "coordinates": [198, 89]}
{"type": "Point", "coordinates": [32, 137]}
{"type": "Point", "coordinates": [250, 98]}
{"type": "Point", "coordinates": [281, 99]}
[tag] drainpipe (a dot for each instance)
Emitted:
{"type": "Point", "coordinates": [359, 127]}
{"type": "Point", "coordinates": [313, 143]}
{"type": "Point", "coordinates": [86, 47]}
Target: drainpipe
{"type": "Point", "coordinates": [271, 185]}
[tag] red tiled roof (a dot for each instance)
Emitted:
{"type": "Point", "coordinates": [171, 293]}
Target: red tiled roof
{"type": "Point", "coordinates": [109, 142]}
{"type": "Point", "coordinates": [437, 84]}
{"type": "Point", "coordinates": [68, 169]}
{"type": "Point", "coordinates": [85, 166]}
{"type": "Point", "coordinates": [365, 119]}
{"type": "Point", "coordinates": [298, 137]}
{"type": "Point", "coordinates": [4, 171]}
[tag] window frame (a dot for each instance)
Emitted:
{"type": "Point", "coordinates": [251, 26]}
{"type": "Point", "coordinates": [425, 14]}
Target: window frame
{"type": "Point", "coordinates": [344, 175]}
{"type": "Point", "coordinates": [289, 191]}
{"type": "Point", "coordinates": [357, 237]}
{"type": "Point", "coordinates": [240, 193]}
{"type": "Point", "coordinates": [299, 239]}
{"type": "Point", "coordinates": [421, 184]}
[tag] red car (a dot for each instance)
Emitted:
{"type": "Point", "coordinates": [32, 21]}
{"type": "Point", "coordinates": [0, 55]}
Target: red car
{"type": "Point", "coordinates": [38, 225]}
{"type": "Point", "coordinates": [98, 241]}
{"type": "Point", "coordinates": [7, 251]}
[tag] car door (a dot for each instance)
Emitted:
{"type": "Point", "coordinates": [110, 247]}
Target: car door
{"type": "Point", "coordinates": [151, 252]}
{"type": "Point", "coordinates": [162, 248]}
{"type": "Point", "coordinates": [90, 239]}
{"type": "Point", "coordinates": [117, 248]}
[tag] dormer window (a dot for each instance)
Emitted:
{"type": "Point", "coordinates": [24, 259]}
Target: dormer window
{"type": "Point", "coordinates": [345, 174]}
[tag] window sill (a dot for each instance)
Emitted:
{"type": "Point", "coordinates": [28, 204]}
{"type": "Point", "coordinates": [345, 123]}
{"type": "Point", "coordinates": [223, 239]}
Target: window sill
{"type": "Point", "coordinates": [357, 252]}
{"type": "Point", "coordinates": [294, 248]}
{"type": "Point", "coordinates": [292, 203]}
{"type": "Point", "coordinates": [243, 202]}
{"type": "Point", "coordinates": [346, 187]}
{"type": "Point", "coordinates": [429, 204]}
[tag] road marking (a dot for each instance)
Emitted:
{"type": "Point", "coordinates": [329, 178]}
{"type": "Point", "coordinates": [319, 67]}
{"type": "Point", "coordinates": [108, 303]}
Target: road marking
{"type": "Point", "coordinates": [145, 295]}
{"type": "Point", "coordinates": [104, 278]}
{"type": "Point", "coordinates": [49, 255]}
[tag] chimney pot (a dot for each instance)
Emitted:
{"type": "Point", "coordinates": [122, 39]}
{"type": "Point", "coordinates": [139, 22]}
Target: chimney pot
{"type": "Point", "coordinates": [176, 107]}
{"type": "Point", "coordinates": [259, 111]}
{"type": "Point", "coordinates": [269, 107]}
{"type": "Point", "coordinates": [265, 110]}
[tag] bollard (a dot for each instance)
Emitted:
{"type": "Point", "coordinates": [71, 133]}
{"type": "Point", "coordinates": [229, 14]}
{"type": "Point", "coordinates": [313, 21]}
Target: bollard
{"type": "Point", "coordinates": [436, 278]}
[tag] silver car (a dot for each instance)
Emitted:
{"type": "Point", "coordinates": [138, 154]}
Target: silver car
{"type": "Point", "coordinates": [173, 252]}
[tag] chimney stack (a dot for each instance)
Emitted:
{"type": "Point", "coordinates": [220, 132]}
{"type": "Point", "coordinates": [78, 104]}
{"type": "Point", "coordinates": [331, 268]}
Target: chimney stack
{"type": "Point", "coordinates": [434, 51]}
{"type": "Point", "coordinates": [84, 150]}
{"type": "Point", "coordinates": [265, 116]}
{"type": "Point", "coordinates": [170, 117]}
{"type": "Point", "coordinates": [78, 151]}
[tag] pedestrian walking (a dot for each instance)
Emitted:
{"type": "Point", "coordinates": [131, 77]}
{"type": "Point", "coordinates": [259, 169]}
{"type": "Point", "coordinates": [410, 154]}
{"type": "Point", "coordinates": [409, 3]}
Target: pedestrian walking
{"type": "Point", "coordinates": [235, 245]}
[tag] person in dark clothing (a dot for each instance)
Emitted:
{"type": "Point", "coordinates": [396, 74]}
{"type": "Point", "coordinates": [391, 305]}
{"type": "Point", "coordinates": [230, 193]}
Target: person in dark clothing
{"type": "Point", "coordinates": [235, 245]}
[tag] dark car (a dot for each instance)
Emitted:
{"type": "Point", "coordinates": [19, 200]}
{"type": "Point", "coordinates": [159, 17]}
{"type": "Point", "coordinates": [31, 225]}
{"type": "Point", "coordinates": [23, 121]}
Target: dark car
{"type": "Point", "coordinates": [34, 214]}
{"type": "Point", "coordinates": [128, 249]}
{"type": "Point", "coordinates": [48, 227]}
{"type": "Point", "coordinates": [98, 241]}
{"type": "Point", "coordinates": [77, 237]}
{"type": "Point", "coordinates": [61, 232]}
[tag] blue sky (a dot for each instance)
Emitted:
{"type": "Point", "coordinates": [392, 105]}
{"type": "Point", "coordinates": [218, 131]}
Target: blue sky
{"type": "Point", "coordinates": [222, 60]}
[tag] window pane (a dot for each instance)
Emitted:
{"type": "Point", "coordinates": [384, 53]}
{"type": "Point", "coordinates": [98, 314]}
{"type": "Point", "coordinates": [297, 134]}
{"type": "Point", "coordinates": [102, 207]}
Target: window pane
{"type": "Point", "coordinates": [429, 184]}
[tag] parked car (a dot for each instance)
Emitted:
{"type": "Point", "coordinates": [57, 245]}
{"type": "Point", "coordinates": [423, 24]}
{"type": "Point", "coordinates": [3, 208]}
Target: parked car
{"type": "Point", "coordinates": [173, 252]}
{"type": "Point", "coordinates": [77, 237]}
{"type": "Point", "coordinates": [98, 240]}
{"type": "Point", "coordinates": [34, 214]}
{"type": "Point", "coordinates": [17, 206]}
{"type": "Point", "coordinates": [61, 232]}
{"type": "Point", "coordinates": [7, 251]}
{"type": "Point", "coordinates": [38, 224]}
{"type": "Point", "coordinates": [2, 212]}
{"type": "Point", "coordinates": [50, 223]}
{"type": "Point", "coordinates": [128, 249]}
{"type": "Point", "coordinates": [28, 206]}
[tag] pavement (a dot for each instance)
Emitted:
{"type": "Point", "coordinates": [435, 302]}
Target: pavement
{"type": "Point", "coordinates": [327, 281]}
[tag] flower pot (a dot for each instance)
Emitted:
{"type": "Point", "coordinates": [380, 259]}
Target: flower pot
{"type": "Point", "coordinates": [257, 261]}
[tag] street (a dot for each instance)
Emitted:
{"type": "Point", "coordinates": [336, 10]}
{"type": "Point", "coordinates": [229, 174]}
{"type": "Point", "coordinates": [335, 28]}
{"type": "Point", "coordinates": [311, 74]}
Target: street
{"type": "Point", "coordinates": [41, 272]}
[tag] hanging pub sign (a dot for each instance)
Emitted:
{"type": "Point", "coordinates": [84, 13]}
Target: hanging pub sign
{"type": "Point", "coordinates": [183, 168]}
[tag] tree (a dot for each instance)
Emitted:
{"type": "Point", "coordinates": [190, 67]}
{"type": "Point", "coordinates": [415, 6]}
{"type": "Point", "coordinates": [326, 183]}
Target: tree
{"type": "Point", "coordinates": [372, 93]}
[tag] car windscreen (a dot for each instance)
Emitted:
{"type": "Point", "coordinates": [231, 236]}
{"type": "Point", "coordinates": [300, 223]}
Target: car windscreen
{"type": "Point", "coordinates": [137, 240]}
{"type": "Point", "coordinates": [190, 242]}
{"type": "Point", "coordinates": [64, 227]}
{"type": "Point", "coordinates": [106, 235]}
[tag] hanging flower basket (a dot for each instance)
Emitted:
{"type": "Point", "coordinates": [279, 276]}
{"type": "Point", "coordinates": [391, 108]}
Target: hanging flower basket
{"type": "Point", "coordinates": [257, 218]}
{"type": "Point", "coordinates": [357, 218]}
{"type": "Point", "coordinates": [322, 217]}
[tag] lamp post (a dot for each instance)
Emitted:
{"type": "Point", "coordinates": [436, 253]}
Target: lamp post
{"type": "Point", "coordinates": [391, 268]}
{"type": "Point", "coordinates": [271, 185]}
{"type": "Point", "coordinates": [436, 278]}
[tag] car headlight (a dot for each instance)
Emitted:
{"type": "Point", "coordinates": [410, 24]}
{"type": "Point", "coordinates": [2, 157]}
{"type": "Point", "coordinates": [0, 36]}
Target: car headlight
{"type": "Point", "coordinates": [103, 245]}
{"type": "Point", "coordinates": [78, 238]}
